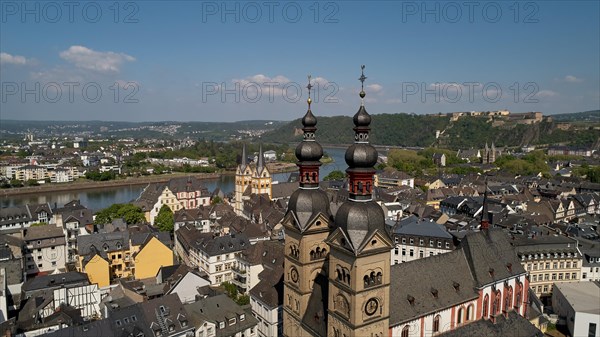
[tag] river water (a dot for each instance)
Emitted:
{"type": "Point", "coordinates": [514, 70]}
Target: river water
{"type": "Point", "coordinates": [104, 197]}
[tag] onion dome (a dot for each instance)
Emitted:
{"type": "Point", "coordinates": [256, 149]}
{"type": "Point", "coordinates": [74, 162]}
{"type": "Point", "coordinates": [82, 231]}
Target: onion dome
{"type": "Point", "coordinates": [359, 220]}
{"type": "Point", "coordinates": [360, 217]}
{"type": "Point", "coordinates": [309, 200]}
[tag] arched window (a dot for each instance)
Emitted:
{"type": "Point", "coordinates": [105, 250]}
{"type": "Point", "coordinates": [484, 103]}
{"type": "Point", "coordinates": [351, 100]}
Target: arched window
{"type": "Point", "coordinates": [436, 323]}
{"type": "Point", "coordinates": [508, 299]}
{"type": "Point", "coordinates": [518, 298]}
{"type": "Point", "coordinates": [366, 279]}
{"type": "Point", "coordinates": [469, 313]}
{"type": "Point", "coordinates": [486, 303]}
{"type": "Point", "coordinates": [378, 280]}
{"type": "Point", "coordinates": [405, 331]}
{"type": "Point", "coordinates": [496, 304]}
{"type": "Point", "coordinates": [459, 317]}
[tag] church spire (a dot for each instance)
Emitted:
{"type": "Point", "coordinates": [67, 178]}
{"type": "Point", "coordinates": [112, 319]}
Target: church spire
{"type": "Point", "coordinates": [485, 222]}
{"type": "Point", "coordinates": [261, 160]}
{"type": "Point", "coordinates": [309, 152]}
{"type": "Point", "coordinates": [244, 161]}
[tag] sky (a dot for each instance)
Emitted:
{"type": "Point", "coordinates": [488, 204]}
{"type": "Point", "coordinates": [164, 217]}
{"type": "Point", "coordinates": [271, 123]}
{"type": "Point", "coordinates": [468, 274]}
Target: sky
{"type": "Point", "coordinates": [245, 60]}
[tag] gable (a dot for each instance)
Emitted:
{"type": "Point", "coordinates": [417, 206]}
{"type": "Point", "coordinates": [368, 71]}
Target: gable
{"type": "Point", "coordinates": [376, 242]}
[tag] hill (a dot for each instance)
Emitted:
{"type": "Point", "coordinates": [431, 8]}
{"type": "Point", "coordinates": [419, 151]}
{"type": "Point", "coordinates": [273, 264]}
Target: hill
{"type": "Point", "coordinates": [411, 130]}
{"type": "Point", "coordinates": [590, 116]}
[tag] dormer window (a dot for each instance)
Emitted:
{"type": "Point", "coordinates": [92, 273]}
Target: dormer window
{"type": "Point", "coordinates": [221, 325]}
{"type": "Point", "coordinates": [232, 321]}
{"type": "Point", "coordinates": [105, 247]}
{"type": "Point", "coordinates": [242, 317]}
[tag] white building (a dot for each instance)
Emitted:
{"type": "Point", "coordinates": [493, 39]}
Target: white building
{"type": "Point", "coordinates": [46, 249]}
{"type": "Point", "coordinates": [577, 305]}
{"type": "Point", "coordinates": [86, 298]}
{"type": "Point", "coordinates": [214, 255]}
{"type": "Point", "coordinates": [416, 238]}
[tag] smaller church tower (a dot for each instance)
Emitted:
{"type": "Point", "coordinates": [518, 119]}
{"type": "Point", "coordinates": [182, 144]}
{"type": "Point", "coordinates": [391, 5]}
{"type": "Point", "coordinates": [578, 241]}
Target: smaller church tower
{"type": "Point", "coordinates": [261, 177]}
{"type": "Point", "coordinates": [360, 247]}
{"type": "Point", "coordinates": [243, 177]}
{"type": "Point", "coordinates": [307, 224]}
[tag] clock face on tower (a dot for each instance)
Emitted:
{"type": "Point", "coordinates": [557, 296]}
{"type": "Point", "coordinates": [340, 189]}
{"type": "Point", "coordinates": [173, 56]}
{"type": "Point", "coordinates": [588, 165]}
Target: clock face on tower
{"type": "Point", "coordinates": [371, 307]}
{"type": "Point", "coordinates": [294, 274]}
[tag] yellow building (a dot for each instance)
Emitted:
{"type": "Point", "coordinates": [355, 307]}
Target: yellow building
{"type": "Point", "coordinates": [151, 257]}
{"type": "Point", "coordinates": [256, 180]}
{"type": "Point", "coordinates": [108, 256]}
{"type": "Point", "coordinates": [97, 270]}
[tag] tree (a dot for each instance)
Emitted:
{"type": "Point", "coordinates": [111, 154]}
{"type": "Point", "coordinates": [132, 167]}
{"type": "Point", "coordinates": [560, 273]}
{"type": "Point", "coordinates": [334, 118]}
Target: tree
{"type": "Point", "coordinates": [335, 175]}
{"type": "Point", "coordinates": [37, 224]}
{"type": "Point", "coordinates": [216, 200]}
{"type": "Point", "coordinates": [131, 214]}
{"type": "Point", "coordinates": [164, 220]}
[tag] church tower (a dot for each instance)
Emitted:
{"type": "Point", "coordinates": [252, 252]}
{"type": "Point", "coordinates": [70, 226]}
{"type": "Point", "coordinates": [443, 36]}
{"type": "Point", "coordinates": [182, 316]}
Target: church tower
{"type": "Point", "coordinates": [360, 247]}
{"type": "Point", "coordinates": [243, 176]}
{"type": "Point", "coordinates": [307, 224]}
{"type": "Point", "coordinates": [261, 177]}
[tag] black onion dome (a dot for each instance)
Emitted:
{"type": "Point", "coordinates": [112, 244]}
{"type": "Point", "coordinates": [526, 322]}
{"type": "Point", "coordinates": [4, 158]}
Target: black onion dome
{"type": "Point", "coordinates": [309, 120]}
{"type": "Point", "coordinates": [308, 203]}
{"type": "Point", "coordinates": [361, 155]}
{"type": "Point", "coordinates": [309, 151]}
{"type": "Point", "coordinates": [359, 219]}
{"type": "Point", "coordinates": [362, 117]}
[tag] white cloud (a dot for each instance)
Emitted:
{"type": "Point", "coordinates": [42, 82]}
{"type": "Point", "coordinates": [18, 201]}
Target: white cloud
{"type": "Point", "coordinates": [547, 93]}
{"type": "Point", "coordinates": [573, 79]}
{"type": "Point", "coordinates": [375, 87]}
{"type": "Point", "coordinates": [104, 62]}
{"type": "Point", "coordinates": [6, 58]}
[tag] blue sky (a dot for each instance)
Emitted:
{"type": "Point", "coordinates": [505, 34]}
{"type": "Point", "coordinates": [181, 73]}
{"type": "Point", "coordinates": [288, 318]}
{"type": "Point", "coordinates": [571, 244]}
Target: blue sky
{"type": "Point", "coordinates": [207, 61]}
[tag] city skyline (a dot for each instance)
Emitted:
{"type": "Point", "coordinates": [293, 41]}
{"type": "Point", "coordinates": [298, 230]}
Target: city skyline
{"type": "Point", "coordinates": [154, 62]}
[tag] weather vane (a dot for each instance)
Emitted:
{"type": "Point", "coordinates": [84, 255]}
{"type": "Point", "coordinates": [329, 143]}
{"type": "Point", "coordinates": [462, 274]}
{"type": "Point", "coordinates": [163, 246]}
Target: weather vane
{"type": "Point", "coordinates": [362, 84]}
{"type": "Point", "coordinates": [309, 87]}
{"type": "Point", "coordinates": [362, 76]}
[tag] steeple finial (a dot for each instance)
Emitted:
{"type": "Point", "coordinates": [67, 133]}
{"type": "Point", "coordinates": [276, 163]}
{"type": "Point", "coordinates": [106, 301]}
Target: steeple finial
{"type": "Point", "coordinates": [309, 87]}
{"type": "Point", "coordinates": [362, 79]}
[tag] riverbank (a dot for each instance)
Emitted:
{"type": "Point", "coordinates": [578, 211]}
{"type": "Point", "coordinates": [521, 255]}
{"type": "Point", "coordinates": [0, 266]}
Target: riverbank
{"type": "Point", "coordinates": [278, 167]}
{"type": "Point", "coordinates": [88, 185]}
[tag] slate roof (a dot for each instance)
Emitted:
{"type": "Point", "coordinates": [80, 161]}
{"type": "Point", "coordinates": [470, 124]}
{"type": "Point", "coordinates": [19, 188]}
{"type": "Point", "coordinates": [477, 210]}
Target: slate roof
{"type": "Point", "coordinates": [416, 280]}
{"type": "Point", "coordinates": [208, 243]}
{"type": "Point", "coordinates": [513, 326]}
{"type": "Point", "coordinates": [88, 245]}
{"type": "Point", "coordinates": [43, 232]}
{"type": "Point", "coordinates": [421, 227]}
{"type": "Point", "coordinates": [283, 190]}
{"type": "Point", "coordinates": [465, 270]}
{"type": "Point", "coordinates": [490, 256]}
{"type": "Point", "coordinates": [54, 280]}
{"type": "Point", "coordinates": [221, 308]}
{"type": "Point", "coordinates": [24, 213]}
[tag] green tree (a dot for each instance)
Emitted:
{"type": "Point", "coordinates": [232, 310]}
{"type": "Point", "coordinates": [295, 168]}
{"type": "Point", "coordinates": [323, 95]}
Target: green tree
{"type": "Point", "coordinates": [131, 214]}
{"type": "Point", "coordinates": [335, 175]}
{"type": "Point", "coordinates": [32, 182]}
{"type": "Point", "coordinates": [37, 224]}
{"type": "Point", "coordinates": [216, 200]}
{"type": "Point", "coordinates": [164, 220]}
{"type": "Point", "coordinates": [16, 183]}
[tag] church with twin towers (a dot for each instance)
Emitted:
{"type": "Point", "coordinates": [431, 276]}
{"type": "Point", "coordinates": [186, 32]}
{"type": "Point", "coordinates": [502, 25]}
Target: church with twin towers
{"type": "Point", "coordinates": [338, 277]}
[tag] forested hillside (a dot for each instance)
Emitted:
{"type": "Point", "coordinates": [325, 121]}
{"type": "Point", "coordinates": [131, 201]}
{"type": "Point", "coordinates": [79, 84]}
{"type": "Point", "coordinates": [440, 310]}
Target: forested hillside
{"type": "Point", "coordinates": [420, 130]}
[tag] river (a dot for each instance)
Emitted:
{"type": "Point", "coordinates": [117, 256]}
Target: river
{"type": "Point", "coordinates": [104, 197]}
